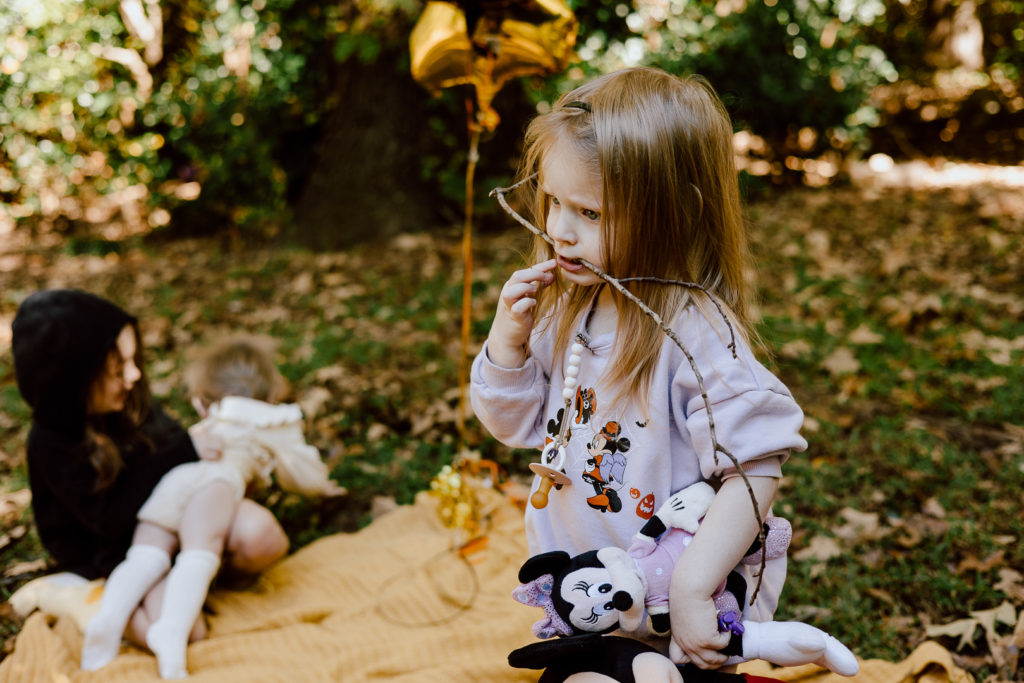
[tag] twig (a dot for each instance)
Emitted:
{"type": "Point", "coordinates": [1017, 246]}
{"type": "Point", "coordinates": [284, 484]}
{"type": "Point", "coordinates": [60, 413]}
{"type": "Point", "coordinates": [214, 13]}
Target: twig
{"type": "Point", "coordinates": [499, 192]}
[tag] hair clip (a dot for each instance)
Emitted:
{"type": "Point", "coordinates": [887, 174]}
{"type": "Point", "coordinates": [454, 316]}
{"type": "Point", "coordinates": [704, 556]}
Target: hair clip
{"type": "Point", "coordinates": [575, 104]}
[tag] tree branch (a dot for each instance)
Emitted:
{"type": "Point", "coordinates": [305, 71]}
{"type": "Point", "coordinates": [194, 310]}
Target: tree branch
{"type": "Point", "coordinates": [499, 192]}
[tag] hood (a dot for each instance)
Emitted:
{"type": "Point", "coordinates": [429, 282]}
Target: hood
{"type": "Point", "coordinates": [60, 341]}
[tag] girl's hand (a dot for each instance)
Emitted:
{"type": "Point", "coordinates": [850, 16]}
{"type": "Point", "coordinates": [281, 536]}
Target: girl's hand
{"type": "Point", "coordinates": [695, 634]}
{"type": "Point", "coordinates": [513, 320]}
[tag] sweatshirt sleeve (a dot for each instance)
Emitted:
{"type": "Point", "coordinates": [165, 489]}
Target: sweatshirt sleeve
{"type": "Point", "coordinates": [754, 415]}
{"type": "Point", "coordinates": [510, 403]}
{"type": "Point", "coordinates": [297, 464]}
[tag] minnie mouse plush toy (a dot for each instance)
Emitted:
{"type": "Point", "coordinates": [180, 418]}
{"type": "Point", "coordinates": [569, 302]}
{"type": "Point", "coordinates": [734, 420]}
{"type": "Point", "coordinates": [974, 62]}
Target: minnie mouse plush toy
{"type": "Point", "coordinates": [607, 589]}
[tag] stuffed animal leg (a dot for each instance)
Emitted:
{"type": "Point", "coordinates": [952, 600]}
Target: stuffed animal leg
{"type": "Point", "coordinates": [791, 643]}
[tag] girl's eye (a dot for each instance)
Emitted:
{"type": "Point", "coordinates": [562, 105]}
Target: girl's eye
{"type": "Point", "coordinates": [591, 215]}
{"type": "Point", "coordinates": [554, 201]}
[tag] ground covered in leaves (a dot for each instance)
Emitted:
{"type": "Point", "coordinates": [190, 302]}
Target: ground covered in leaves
{"type": "Point", "coordinates": [896, 316]}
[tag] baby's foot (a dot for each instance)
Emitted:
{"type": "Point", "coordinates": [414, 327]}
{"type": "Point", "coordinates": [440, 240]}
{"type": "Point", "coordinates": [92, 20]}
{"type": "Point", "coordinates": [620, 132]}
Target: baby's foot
{"type": "Point", "coordinates": [169, 649]}
{"type": "Point", "coordinates": [101, 646]}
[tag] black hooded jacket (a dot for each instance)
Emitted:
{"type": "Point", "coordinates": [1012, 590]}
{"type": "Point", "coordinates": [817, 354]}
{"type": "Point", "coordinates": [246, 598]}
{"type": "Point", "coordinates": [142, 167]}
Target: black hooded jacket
{"type": "Point", "coordinates": [61, 339]}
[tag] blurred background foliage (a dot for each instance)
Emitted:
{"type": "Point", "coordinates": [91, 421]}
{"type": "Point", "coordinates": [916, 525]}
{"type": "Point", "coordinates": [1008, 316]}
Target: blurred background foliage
{"type": "Point", "coordinates": [298, 118]}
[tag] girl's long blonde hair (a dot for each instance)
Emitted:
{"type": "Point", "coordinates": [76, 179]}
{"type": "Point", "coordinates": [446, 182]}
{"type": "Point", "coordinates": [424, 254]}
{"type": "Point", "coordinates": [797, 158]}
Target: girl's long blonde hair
{"type": "Point", "coordinates": [670, 207]}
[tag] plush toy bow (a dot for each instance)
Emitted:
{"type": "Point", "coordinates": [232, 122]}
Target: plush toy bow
{"type": "Point", "coordinates": [537, 593]}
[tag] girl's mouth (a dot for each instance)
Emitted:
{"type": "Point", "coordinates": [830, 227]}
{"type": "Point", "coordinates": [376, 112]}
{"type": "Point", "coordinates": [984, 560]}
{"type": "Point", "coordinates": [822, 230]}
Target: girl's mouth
{"type": "Point", "coordinates": [571, 265]}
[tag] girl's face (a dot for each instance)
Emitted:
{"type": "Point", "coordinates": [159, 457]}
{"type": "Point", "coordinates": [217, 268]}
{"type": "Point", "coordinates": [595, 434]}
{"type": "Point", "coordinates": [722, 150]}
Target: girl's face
{"type": "Point", "coordinates": [109, 390]}
{"type": "Point", "coordinates": [573, 189]}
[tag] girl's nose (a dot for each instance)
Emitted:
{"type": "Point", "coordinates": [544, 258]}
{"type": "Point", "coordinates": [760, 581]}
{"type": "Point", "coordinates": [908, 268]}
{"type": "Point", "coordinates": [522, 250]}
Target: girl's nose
{"type": "Point", "coordinates": [560, 229]}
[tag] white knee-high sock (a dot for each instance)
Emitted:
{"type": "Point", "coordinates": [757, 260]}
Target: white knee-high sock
{"type": "Point", "coordinates": [142, 567]}
{"type": "Point", "coordinates": [187, 585]}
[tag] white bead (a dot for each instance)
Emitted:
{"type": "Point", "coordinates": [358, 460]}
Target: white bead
{"type": "Point", "coordinates": [568, 394]}
{"type": "Point", "coordinates": [575, 359]}
{"type": "Point", "coordinates": [570, 382]}
{"type": "Point", "coordinates": [577, 348]}
{"type": "Point", "coordinates": [572, 371]}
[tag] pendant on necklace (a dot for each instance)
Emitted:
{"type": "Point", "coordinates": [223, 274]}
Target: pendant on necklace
{"type": "Point", "coordinates": [551, 468]}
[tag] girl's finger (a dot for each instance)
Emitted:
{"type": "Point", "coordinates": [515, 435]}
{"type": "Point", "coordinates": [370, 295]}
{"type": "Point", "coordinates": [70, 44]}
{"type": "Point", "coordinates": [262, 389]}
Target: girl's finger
{"type": "Point", "coordinates": [522, 306]}
{"type": "Point", "coordinates": [676, 654]}
{"type": "Point", "coordinates": [540, 272]}
{"type": "Point", "coordinates": [513, 292]}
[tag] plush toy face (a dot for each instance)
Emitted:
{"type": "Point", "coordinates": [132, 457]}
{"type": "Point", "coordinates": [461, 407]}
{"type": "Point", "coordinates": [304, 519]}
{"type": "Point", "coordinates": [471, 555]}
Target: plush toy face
{"type": "Point", "coordinates": [604, 597]}
{"type": "Point", "coordinates": [594, 592]}
{"type": "Point", "coordinates": [591, 594]}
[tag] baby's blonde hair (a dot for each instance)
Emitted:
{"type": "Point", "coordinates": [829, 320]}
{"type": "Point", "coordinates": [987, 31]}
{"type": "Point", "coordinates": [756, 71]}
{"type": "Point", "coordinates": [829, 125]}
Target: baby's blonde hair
{"type": "Point", "coordinates": [239, 365]}
{"type": "Point", "coordinates": [670, 206]}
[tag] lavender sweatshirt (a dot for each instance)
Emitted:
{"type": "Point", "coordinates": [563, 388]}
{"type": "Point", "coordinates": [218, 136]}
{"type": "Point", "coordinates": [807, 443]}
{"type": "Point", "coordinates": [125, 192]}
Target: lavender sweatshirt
{"type": "Point", "coordinates": [623, 464]}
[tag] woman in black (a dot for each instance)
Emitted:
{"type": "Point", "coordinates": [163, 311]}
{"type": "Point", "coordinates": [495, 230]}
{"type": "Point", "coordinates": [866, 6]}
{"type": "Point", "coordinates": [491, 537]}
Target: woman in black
{"type": "Point", "coordinates": [99, 444]}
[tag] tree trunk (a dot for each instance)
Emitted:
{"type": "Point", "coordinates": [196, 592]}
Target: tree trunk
{"type": "Point", "coordinates": [365, 181]}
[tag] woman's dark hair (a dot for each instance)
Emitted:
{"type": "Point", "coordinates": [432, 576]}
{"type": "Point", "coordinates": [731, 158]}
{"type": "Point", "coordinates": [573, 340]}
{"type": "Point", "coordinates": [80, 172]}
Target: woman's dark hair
{"type": "Point", "coordinates": [104, 433]}
{"type": "Point", "coordinates": [63, 340]}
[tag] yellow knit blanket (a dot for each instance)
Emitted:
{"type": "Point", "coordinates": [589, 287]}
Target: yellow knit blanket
{"type": "Point", "coordinates": [392, 602]}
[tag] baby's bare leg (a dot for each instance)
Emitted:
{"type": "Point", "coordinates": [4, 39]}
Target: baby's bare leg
{"type": "Point", "coordinates": [202, 532]}
{"type": "Point", "coordinates": [256, 539]}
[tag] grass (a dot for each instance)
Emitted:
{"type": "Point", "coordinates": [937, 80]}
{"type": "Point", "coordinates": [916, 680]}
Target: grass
{"type": "Point", "coordinates": [896, 319]}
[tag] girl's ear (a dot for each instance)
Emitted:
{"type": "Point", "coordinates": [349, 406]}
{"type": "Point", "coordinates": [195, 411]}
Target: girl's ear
{"type": "Point", "coordinates": [546, 563]}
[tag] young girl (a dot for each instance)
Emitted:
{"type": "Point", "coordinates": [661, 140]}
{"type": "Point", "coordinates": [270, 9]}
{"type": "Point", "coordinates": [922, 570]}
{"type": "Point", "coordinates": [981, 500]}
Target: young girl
{"type": "Point", "coordinates": [234, 386]}
{"type": "Point", "coordinates": [635, 175]}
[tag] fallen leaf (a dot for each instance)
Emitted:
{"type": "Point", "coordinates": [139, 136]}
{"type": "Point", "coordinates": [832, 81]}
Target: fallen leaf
{"type": "Point", "coordinates": [933, 508]}
{"type": "Point", "coordinates": [376, 432]}
{"type": "Point", "coordinates": [961, 628]}
{"type": "Point", "coordinates": [966, 629]}
{"type": "Point", "coordinates": [302, 284]}
{"type": "Point", "coordinates": [918, 527]}
{"type": "Point", "coordinates": [860, 526]}
{"type": "Point", "coordinates": [821, 548]}
{"type": "Point", "coordinates": [796, 348]}
{"type": "Point", "coordinates": [313, 400]}
{"type": "Point", "coordinates": [971, 562]}
{"type": "Point", "coordinates": [13, 504]}
{"type": "Point", "coordinates": [1003, 614]}
{"type": "Point", "coordinates": [841, 362]}
{"type": "Point", "coordinates": [864, 335]}
{"type": "Point", "coordinates": [26, 567]}
{"type": "Point", "coordinates": [1011, 582]}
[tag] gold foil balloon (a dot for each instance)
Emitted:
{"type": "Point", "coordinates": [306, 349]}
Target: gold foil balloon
{"type": "Point", "coordinates": [487, 43]}
{"type": "Point", "coordinates": [483, 43]}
